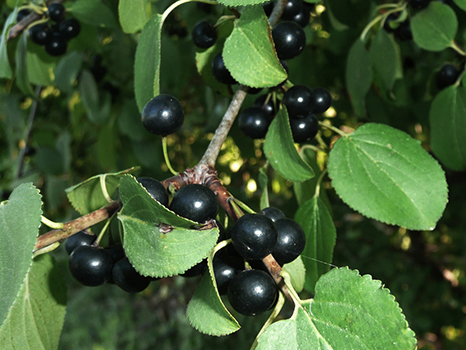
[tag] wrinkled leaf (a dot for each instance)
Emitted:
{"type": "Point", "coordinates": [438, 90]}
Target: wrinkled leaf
{"type": "Point", "coordinates": [385, 174]}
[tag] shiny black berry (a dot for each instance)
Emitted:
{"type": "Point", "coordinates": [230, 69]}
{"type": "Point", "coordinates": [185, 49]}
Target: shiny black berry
{"type": "Point", "coordinates": [22, 14]}
{"type": "Point", "coordinates": [322, 100]}
{"type": "Point", "coordinates": [254, 122]}
{"type": "Point", "coordinates": [56, 46]}
{"type": "Point", "coordinates": [90, 266]}
{"type": "Point", "coordinates": [298, 100]}
{"type": "Point", "coordinates": [447, 76]}
{"type": "Point", "coordinates": [70, 28]}
{"type": "Point", "coordinates": [195, 202]}
{"type": "Point", "coordinates": [204, 35]}
{"type": "Point", "coordinates": [163, 115]}
{"type": "Point", "coordinates": [266, 103]}
{"type": "Point", "coordinates": [56, 11]}
{"type": "Point", "coordinates": [273, 213]}
{"type": "Point", "coordinates": [303, 17]}
{"type": "Point", "coordinates": [252, 292]}
{"type": "Point", "coordinates": [126, 277]}
{"type": "Point", "coordinates": [40, 34]}
{"type": "Point", "coordinates": [155, 189]}
{"type": "Point", "coordinates": [304, 129]}
{"type": "Point", "coordinates": [419, 4]}
{"type": "Point", "coordinates": [78, 239]}
{"type": "Point", "coordinates": [292, 8]}
{"type": "Point", "coordinates": [290, 242]}
{"type": "Point", "coordinates": [225, 268]}
{"type": "Point", "coordinates": [289, 38]}
{"type": "Point", "coordinates": [254, 236]}
{"type": "Point", "coordinates": [220, 71]}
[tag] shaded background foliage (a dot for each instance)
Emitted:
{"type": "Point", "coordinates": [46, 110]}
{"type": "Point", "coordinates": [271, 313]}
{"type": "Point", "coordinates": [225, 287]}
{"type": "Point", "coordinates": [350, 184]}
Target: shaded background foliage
{"type": "Point", "coordinates": [88, 123]}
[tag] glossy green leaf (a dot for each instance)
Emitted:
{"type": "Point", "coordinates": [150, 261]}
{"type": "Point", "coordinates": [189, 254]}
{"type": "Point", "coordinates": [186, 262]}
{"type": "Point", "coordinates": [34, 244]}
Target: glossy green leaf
{"type": "Point", "coordinates": [20, 220]}
{"type": "Point", "coordinates": [386, 58]}
{"type": "Point", "coordinates": [22, 77]}
{"type": "Point", "coordinates": [435, 27]}
{"type": "Point", "coordinates": [297, 273]}
{"type": "Point", "coordinates": [348, 311]}
{"type": "Point", "coordinates": [249, 54]}
{"type": "Point", "coordinates": [93, 12]}
{"type": "Point", "coordinates": [158, 242]}
{"type": "Point", "coordinates": [88, 195]}
{"type": "Point", "coordinates": [461, 4]}
{"type": "Point", "coordinates": [206, 311]}
{"type": "Point", "coordinates": [5, 68]}
{"type": "Point", "coordinates": [147, 62]}
{"type": "Point", "coordinates": [358, 76]}
{"type": "Point", "coordinates": [37, 316]}
{"type": "Point", "coordinates": [385, 174]}
{"type": "Point", "coordinates": [237, 3]}
{"type": "Point", "coordinates": [281, 151]}
{"type": "Point", "coordinates": [317, 223]}
{"type": "Point", "coordinates": [133, 14]}
{"type": "Point", "coordinates": [447, 126]}
{"type": "Point", "coordinates": [67, 71]}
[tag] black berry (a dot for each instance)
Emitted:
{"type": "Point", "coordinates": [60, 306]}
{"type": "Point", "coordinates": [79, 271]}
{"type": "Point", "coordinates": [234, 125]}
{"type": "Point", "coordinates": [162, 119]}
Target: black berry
{"type": "Point", "coordinates": [322, 100]}
{"type": "Point", "coordinates": [292, 8]}
{"type": "Point", "coordinates": [78, 239]}
{"type": "Point", "coordinates": [419, 4]}
{"type": "Point", "coordinates": [220, 71]}
{"type": "Point", "coordinates": [252, 292]}
{"type": "Point", "coordinates": [195, 202]}
{"type": "Point", "coordinates": [298, 100]}
{"type": "Point", "coordinates": [40, 34]}
{"type": "Point", "coordinates": [126, 277]}
{"type": "Point", "coordinates": [254, 236]}
{"type": "Point", "coordinates": [225, 268]}
{"type": "Point", "coordinates": [204, 35]}
{"type": "Point", "coordinates": [155, 189]}
{"type": "Point", "coordinates": [266, 103]}
{"type": "Point", "coordinates": [290, 241]}
{"type": "Point", "coordinates": [447, 76]}
{"type": "Point", "coordinates": [70, 28]}
{"type": "Point", "coordinates": [289, 39]}
{"type": "Point", "coordinates": [303, 17]}
{"type": "Point", "coordinates": [56, 11]}
{"type": "Point", "coordinates": [90, 266]}
{"type": "Point", "coordinates": [273, 213]}
{"type": "Point", "coordinates": [56, 46]}
{"type": "Point", "coordinates": [304, 129]}
{"type": "Point", "coordinates": [254, 122]}
{"type": "Point", "coordinates": [163, 115]}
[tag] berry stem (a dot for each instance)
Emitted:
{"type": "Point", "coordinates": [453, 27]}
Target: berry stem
{"type": "Point", "coordinates": [103, 186]}
{"type": "Point", "coordinates": [458, 49]}
{"type": "Point", "coordinates": [312, 147]}
{"type": "Point", "coordinates": [50, 223]}
{"type": "Point", "coordinates": [334, 129]}
{"type": "Point", "coordinates": [165, 155]}
{"type": "Point", "coordinates": [319, 182]}
{"type": "Point", "coordinates": [242, 205]}
{"type": "Point", "coordinates": [104, 229]}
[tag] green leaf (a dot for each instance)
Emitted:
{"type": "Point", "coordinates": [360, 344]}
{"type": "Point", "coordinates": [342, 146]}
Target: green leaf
{"type": "Point", "coordinates": [5, 69]}
{"type": "Point", "coordinates": [88, 196]}
{"type": "Point", "coordinates": [97, 108]}
{"type": "Point", "coordinates": [461, 4]}
{"type": "Point", "coordinates": [297, 273]}
{"type": "Point", "coordinates": [447, 125]}
{"type": "Point", "coordinates": [39, 66]}
{"type": "Point", "coordinates": [237, 3]}
{"type": "Point", "coordinates": [339, 26]}
{"type": "Point", "coordinates": [129, 121]}
{"type": "Point", "coordinates": [349, 311]}
{"type": "Point", "coordinates": [67, 71]}
{"type": "Point", "coordinates": [434, 28]}
{"type": "Point", "coordinates": [147, 62]}
{"type": "Point", "coordinates": [22, 77]}
{"type": "Point", "coordinates": [386, 58]}
{"type": "Point", "coordinates": [133, 14]}
{"type": "Point", "coordinates": [37, 316]}
{"type": "Point", "coordinates": [158, 242]}
{"type": "Point", "coordinates": [358, 76]}
{"type": "Point", "coordinates": [317, 223]}
{"type": "Point", "coordinates": [93, 12]}
{"type": "Point", "coordinates": [249, 54]}
{"type": "Point", "coordinates": [385, 174]}
{"type": "Point", "coordinates": [281, 151]}
{"type": "Point", "coordinates": [20, 218]}
{"type": "Point", "coordinates": [263, 181]}
{"type": "Point", "coordinates": [206, 311]}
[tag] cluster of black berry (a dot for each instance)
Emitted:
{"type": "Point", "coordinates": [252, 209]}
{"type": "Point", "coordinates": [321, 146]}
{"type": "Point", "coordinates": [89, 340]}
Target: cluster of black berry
{"type": "Point", "coordinates": [302, 105]}
{"type": "Point", "coordinates": [295, 10]}
{"type": "Point", "coordinates": [53, 36]}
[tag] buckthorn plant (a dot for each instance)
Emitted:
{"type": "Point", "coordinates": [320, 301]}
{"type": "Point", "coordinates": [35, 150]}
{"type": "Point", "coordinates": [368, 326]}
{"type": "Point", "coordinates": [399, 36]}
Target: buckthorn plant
{"type": "Point", "coordinates": [232, 174]}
